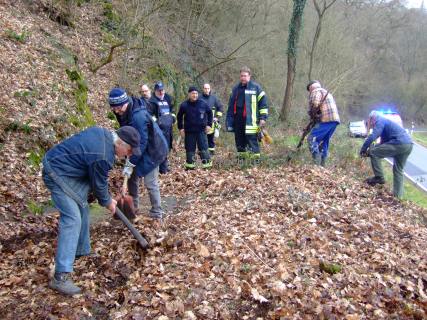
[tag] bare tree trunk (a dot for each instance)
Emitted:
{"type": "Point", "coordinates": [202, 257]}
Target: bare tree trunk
{"type": "Point", "coordinates": [320, 14]}
{"type": "Point", "coordinates": [286, 107]}
{"type": "Point", "coordinates": [294, 31]}
{"type": "Point", "coordinates": [313, 46]}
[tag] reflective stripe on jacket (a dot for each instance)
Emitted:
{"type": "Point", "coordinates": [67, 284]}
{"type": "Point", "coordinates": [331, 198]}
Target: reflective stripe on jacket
{"type": "Point", "coordinates": [255, 107]}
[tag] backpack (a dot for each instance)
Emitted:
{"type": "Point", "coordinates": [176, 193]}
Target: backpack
{"type": "Point", "coordinates": [157, 147]}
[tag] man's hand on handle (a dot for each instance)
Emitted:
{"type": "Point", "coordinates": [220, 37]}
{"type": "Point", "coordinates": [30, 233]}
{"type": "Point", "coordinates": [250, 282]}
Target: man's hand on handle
{"type": "Point", "coordinates": [112, 206]}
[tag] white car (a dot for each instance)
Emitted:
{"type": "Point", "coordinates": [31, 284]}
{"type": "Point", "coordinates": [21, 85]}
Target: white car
{"type": "Point", "coordinates": [357, 129]}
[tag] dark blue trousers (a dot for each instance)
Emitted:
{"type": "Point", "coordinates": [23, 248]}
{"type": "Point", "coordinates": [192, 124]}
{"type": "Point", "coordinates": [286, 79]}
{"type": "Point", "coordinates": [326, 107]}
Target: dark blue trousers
{"type": "Point", "coordinates": [199, 139]}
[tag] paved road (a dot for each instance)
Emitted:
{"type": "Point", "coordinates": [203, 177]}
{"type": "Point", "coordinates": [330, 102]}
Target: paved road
{"type": "Point", "coordinates": [416, 166]}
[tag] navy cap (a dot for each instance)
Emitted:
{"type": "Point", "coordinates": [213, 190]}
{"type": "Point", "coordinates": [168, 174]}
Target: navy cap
{"type": "Point", "coordinates": [131, 136]}
{"type": "Point", "coordinates": [158, 85]}
{"type": "Point", "coordinates": [192, 88]}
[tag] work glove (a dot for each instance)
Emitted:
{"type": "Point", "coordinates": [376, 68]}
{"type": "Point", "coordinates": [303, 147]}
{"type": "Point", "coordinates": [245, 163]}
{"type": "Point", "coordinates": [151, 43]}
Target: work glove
{"type": "Point", "coordinates": [128, 168]}
{"type": "Point", "coordinates": [262, 123]}
{"type": "Point", "coordinates": [364, 153]}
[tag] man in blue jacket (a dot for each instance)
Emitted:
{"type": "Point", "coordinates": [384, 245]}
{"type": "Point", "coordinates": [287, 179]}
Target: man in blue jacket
{"type": "Point", "coordinates": [395, 142]}
{"type": "Point", "coordinates": [247, 113]}
{"type": "Point", "coordinates": [70, 170]}
{"type": "Point", "coordinates": [130, 111]}
{"type": "Point", "coordinates": [194, 121]}
{"type": "Point", "coordinates": [163, 110]}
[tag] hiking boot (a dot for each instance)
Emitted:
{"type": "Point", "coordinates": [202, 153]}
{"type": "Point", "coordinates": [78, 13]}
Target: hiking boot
{"type": "Point", "coordinates": [375, 180]}
{"type": "Point", "coordinates": [323, 162]}
{"type": "Point", "coordinates": [62, 283]}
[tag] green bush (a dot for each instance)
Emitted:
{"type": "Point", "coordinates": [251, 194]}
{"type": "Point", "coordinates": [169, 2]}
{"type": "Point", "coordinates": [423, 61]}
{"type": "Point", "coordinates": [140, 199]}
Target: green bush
{"type": "Point", "coordinates": [35, 208]}
{"type": "Point", "coordinates": [35, 157]}
{"type": "Point", "coordinates": [19, 37]}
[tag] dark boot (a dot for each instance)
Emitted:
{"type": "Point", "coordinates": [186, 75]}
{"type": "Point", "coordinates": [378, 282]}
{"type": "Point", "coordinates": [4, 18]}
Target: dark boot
{"type": "Point", "coordinates": [62, 283]}
{"type": "Point", "coordinates": [323, 162]}
{"type": "Point", "coordinates": [375, 180]}
{"type": "Point", "coordinates": [316, 158]}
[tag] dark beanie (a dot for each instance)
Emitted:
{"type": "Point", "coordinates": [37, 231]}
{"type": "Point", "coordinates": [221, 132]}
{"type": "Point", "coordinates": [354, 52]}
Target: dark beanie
{"type": "Point", "coordinates": [131, 136]}
{"type": "Point", "coordinates": [117, 97]}
{"type": "Point", "coordinates": [192, 88]}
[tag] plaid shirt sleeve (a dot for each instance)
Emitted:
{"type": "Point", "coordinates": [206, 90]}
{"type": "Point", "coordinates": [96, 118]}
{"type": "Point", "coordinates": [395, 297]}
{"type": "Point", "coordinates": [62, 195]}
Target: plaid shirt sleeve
{"type": "Point", "coordinates": [328, 108]}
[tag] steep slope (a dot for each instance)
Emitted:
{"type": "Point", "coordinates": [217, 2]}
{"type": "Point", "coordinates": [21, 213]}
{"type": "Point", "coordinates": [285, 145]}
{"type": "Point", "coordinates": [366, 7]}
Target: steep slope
{"type": "Point", "coordinates": [38, 100]}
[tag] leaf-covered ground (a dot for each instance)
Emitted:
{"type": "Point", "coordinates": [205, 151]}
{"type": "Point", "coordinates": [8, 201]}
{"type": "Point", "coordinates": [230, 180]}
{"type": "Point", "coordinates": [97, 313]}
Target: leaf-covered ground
{"type": "Point", "coordinates": [290, 242]}
{"type": "Point", "coordinates": [240, 244]}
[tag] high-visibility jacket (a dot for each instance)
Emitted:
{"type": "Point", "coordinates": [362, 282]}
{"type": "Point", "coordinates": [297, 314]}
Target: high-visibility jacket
{"type": "Point", "coordinates": [255, 107]}
{"type": "Point", "coordinates": [213, 102]}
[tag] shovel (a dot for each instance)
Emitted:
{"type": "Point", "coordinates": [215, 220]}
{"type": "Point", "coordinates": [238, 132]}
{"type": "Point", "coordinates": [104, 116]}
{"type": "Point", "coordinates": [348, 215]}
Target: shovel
{"type": "Point", "coordinates": [305, 132]}
{"type": "Point", "coordinates": [141, 240]}
{"type": "Point", "coordinates": [119, 214]}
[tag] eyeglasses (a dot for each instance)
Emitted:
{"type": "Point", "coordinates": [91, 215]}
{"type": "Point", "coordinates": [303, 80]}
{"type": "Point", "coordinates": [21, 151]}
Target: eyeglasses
{"type": "Point", "coordinates": [118, 107]}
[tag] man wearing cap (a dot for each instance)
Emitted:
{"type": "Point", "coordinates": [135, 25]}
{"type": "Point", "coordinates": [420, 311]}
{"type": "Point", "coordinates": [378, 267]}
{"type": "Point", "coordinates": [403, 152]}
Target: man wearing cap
{"type": "Point", "coordinates": [194, 121]}
{"type": "Point", "coordinates": [247, 113]}
{"type": "Point", "coordinates": [163, 110]}
{"type": "Point", "coordinates": [323, 110]}
{"type": "Point", "coordinates": [395, 143]}
{"type": "Point", "coordinates": [70, 170]}
{"type": "Point", "coordinates": [216, 106]}
{"type": "Point", "coordinates": [132, 111]}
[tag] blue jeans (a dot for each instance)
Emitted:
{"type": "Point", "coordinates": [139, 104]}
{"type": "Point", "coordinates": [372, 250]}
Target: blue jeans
{"type": "Point", "coordinates": [73, 234]}
{"type": "Point", "coordinates": [319, 138]}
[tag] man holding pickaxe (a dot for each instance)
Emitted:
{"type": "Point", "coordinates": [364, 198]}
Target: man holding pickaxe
{"type": "Point", "coordinates": [324, 115]}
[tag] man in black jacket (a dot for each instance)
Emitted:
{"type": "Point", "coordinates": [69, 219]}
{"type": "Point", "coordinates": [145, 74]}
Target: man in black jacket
{"type": "Point", "coordinates": [163, 110]}
{"type": "Point", "coordinates": [194, 121]}
{"type": "Point", "coordinates": [216, 106]}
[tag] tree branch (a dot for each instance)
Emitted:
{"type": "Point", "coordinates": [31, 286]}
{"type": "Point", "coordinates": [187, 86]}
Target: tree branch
{"type": "Point", "coordinates": [107, 59]}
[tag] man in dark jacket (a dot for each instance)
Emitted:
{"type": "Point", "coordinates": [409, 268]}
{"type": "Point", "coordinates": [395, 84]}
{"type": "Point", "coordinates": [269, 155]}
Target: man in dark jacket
{"type": "Point", "coordinates": [163, 110]}
{"type": "Point", "coordinates": [216, 106]}
{"type": "Point", "coordinates": [194, 121]}
{"type": "Point", "coordinates": [395, 142]}
{"type": "Point", "coordinates": [70, 170]}
{"type": "Point", "coordinates": [247, 113]}
{"type": "Point", "coordinates": [130, 111]}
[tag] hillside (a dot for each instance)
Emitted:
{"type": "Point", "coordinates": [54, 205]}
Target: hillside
{"type": "Point", "coordinates": [278, 241]}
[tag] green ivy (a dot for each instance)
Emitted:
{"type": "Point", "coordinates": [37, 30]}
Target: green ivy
{"type": "Point", "coordinates": [84, 117]}
{"type": "Point", "coordinates": [294, 26]}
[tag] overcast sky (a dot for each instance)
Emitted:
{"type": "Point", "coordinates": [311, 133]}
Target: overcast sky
{"type": "Point", "coordinates": [415, 3]}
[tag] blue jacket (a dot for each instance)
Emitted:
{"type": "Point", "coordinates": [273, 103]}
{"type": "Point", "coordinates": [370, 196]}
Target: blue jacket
{"type": "Point", "coordinates": [81, 163]}
{"type": "Point", "coordinates": [138, 117]}
{"type": "Point", "coordinates": [254, 107]}
{"type": "Point", "coordinates": [389, 132]}
{"type": "Point", "coordinates": [194, 116]}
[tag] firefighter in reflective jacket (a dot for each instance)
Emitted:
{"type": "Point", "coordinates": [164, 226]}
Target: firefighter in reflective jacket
{"type": "Point", "coordinates": [247, 113]}
{"type": "Point", "coordinates": [213, 102]}
{"type": "Point", "coordinates": [163, 109]}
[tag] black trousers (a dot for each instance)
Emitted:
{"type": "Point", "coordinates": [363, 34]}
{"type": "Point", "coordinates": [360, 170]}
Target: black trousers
{"type": "Point", "coordinates": [199, 139]}
{"type": "Point", "coordinates": [244, 142]}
